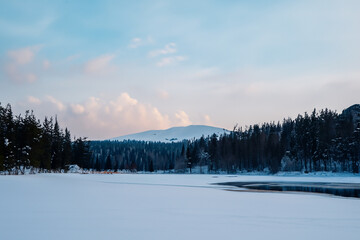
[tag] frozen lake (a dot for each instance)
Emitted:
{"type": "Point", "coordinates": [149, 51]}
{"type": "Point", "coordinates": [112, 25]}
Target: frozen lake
{"type": "Point", "coordinates": [162, 206]}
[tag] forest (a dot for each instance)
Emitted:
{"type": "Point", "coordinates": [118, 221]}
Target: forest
{"type": "Point", "coordinates": [28, 144]}
{"type": "Point", "coordinates": [321, 141]}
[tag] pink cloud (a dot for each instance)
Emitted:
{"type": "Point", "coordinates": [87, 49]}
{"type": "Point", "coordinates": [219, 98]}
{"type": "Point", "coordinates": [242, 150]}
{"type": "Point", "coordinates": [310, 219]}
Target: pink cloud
{"type": "Point", "coordinates": [19, 75]}
{"type": "Point", "coordinates": [34, 100]}
{"type": "Point", "coordinates": [46, 64]}
{"type": "Point", "coordinates": [77, 108]}
{"type": "Point", "coordinates": [162, 94]}
{"type": "Point", "coordinates": [100, 65]}
{"type": "Point", "coordinates": [102, 119]}
{"type": "Point", "coordinates": [57, 103]}
{"type": "Point", "coordinates": [183, 118]}
{"type": "Point", "coordinates": [23, 55]}
{"type": "Point", "coordinates": [207, 120]}
{"type": "Point", "coordinates": [18, 68]}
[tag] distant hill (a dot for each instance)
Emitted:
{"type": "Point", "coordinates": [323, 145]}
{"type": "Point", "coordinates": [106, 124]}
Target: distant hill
{"type": "Point", "coordinates": [174, 134]}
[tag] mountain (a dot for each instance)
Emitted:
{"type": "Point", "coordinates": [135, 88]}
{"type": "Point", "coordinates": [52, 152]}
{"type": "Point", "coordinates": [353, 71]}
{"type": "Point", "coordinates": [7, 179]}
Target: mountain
{"type": "Point", "coordinates": [174, 134]}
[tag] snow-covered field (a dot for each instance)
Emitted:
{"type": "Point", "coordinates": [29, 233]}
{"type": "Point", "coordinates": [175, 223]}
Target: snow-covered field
{"type": "Point", "coordinates": [162, 206]}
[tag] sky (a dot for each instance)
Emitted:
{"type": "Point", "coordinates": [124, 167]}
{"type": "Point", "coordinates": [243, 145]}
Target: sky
{"type": "Point", "coordinates": [110, 68]}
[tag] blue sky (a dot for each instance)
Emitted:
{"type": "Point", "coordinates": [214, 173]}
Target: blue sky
{"type": "Point", "coordinates": [108, 68]}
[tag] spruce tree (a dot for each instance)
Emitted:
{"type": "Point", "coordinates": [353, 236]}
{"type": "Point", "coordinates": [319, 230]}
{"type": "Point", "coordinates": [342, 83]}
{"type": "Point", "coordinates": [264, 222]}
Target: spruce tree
{"type": "Point", "coordinates": [32, 136]}
{"type": "Point", "coordinates": [46, 144]}
{"type": "Point", "coordinates": [66, 149]}
{"type": "Point", "coordinates": [10, 144]}
{"type": "Point", "coordinates": [56, 148]}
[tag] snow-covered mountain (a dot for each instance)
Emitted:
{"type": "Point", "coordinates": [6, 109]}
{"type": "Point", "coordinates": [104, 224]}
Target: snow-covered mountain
{"type": "Point", "coordinates": [174, 134]}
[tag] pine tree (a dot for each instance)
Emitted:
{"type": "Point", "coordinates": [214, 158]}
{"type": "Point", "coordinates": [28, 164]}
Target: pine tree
{"type": "Point", "coordinates": [66, 149]}
{"type": "Point", "coordinates": [213, 152]}
{"type": "Point", "coordinates": [9, 142]}
{"type": "Point", "coordinates": [32, 136]}
{"type": "Point", "coordinates": [46, 144]}
{"type": "Point", "coordinates": [56, 148]}
{"type": "Point", "coordinates": [81, 153]}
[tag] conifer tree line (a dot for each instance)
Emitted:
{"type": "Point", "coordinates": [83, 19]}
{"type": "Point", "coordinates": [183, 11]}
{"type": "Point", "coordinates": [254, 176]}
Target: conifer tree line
{"type": "Point", "coordinates": [135, 155]}
{"type": "Point", "coordinates": [28, 144]}
{"type": "Point", "coordinates": [321, 141]}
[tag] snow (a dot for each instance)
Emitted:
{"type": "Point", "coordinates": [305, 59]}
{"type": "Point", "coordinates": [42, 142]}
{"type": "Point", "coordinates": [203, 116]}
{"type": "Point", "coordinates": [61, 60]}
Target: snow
{"type": "Point", "coordinates": [74, 169]}
{"type": "Point", "coordinates": [175, 134]}
{"type": "Point", "coordinates": [169, 206]}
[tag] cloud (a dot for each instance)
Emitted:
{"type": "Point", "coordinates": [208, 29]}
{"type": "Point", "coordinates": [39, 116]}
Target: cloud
{"type": "Point", "coordinates": [135, 42]}
{"type": "Point", "coordinates": [102, 119]}
{"type": "Point", "coordinates": [122, 115]}
{"type": "Point", "coordinates": [23, 55]}
{"type": "Point", "coordinates": [19, 75]}
{"type": "Point", "coordinates": [46, 64]}
{"type": "Point", "coordinates": [165, 61]}
{"type": "Point", "coordinates": [256, 88]}
{"type": "Point", "coordinates": [34, 100]}
{"type": "Point", "coordinates": [138, 42]}
{"type": "Point", "coordinates": [162, 94]}
{"type": "Point", "coordinates": [168, 49]}
{"type": "Point", "coordinates": [57, 103]}
{"type": "Point", "coordinates": [205, 73]}
{"type": "Point", "coordinates": [125, 97]}
{"type": "Point", "coordinates": [19, 67]}
{"type": "Point", "coordinates": [31, 77]}
{"type": "Point", "coordinates": [170, 61]}
{"type": "Point", "coordinates": [77, 108]}
{"type": "Point", "coordinates": [207, 120]}
{"type": "Point", "coordinates": [183, 118]}
{"type": "Point", "coordinates": [100, 65]}
{"type": "Point", "coordinates": [72, 57]}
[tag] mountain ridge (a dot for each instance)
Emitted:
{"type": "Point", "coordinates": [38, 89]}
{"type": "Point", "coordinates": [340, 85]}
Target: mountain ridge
{"type": "Point", "coordinates": [174, 134]}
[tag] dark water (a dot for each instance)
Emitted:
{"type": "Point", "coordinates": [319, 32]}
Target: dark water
{"type": "Point", "coordinates": [337, 189]}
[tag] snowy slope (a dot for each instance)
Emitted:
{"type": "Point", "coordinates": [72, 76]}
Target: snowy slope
{"type": "Point", "coordinates": [174, 134]}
